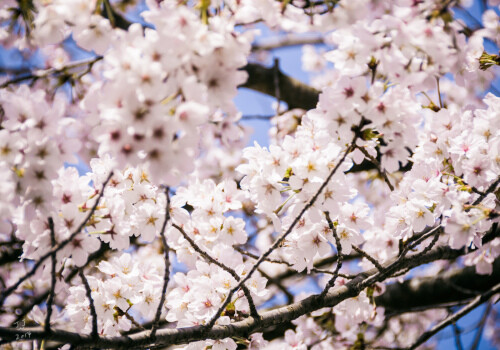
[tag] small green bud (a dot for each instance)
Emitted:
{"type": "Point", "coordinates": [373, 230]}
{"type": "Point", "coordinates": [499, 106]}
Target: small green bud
{"type": "Point", "coordinates": [486, 60]}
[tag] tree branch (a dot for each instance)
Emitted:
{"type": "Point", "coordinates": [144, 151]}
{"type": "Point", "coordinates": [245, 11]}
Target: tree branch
{"type": "Point", "coordinates": [456, 334]}
{"type": "Point", "coordinates": [37, 74]}
{"type": "Point", "coordinates": [320, 263]}
{"type": "Point", "coordinates": [52, 275]}
{"type": "Point", "coordinates": [433, 290]}
{"type": "Point", "coordinates": [290, 39]}
{"type": "Point", "coordinates": [456, 316]}
{"type": "Point", "coordinates": [93, 313]}
{"type": "Point", "coordinates": [489, 190]}
{"type": "Point", "coordinates": [377, 165]}
{"type": "Point", "coordinates": [166, 274]}
{"type": "Point", "coordinates": [368, 257]}
{"type": "Point", "coordinates": [332, 280]}
{"type": "Point", "coordinates": [482, 323]}
{"type": "Point", "coordinates": [295, 93]}
{"type": "Point", "coordinates": [279, 285]}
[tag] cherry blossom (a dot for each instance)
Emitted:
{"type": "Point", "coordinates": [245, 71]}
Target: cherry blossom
{"type": "Point", "coordinates": [135, 210]}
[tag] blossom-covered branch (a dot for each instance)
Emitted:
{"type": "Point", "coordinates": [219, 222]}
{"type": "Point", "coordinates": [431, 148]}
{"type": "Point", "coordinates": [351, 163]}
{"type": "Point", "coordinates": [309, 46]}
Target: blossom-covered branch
{"type": "Point", "coordinates": [57, 248]}
{"type": "Point", "coordinates": [249, 325]}
{"type": "Point", "coordinates": [384, 163]}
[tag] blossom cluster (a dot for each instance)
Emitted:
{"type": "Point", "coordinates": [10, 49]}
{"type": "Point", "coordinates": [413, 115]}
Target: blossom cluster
{"type": "Point", "coordinates": [209, 228]}
{"type": "Point", "coordinates": [161, 85]}
{"type": "Point", "coordinates": [35, 141]}
{"type": "Point", "coordinates": [126, 288]}
{"type": "Point", "coordinates": [58, 19]}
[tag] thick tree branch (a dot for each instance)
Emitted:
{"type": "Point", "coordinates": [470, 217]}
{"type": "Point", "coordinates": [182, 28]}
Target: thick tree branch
{"type": "Point", "coordinates": [295, 93]}
{"type": "Point", "coordinates": [434, 290]}
{"type": "Point", "coordinates": [11, 256]}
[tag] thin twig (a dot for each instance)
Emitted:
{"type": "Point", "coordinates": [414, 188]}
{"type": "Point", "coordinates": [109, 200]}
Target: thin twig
{"type": "Point", "coordinates": [456, 335]}
{"type": "Point", "coordinates": [343, 275]}
{"type": "Point", "coordinates": [378, 166]}
{"type": "Point", "coordinates": [11, 289]}
{"type": "Point", "coordinates": [482, 323]}
{"type": "Point", "coordinates": [277, 283]}
{"type": "Point", "coordinates": [319, 341]}
{"type": "Point", "coordinates": [439, 93]}
{"type": "Point", "coordinates": [130, 318]}
{"type": "Point", "coordinates": [427, 307]}
{"type": "Point", "coordinates": [93, 313]}
{"type": "Point", "coordinates": [422, 238]}
{"type": "Point", "coordinates": [254, 256]}
{"type": "Point", "coordinates": [39, 299]}
{"type": "Point", "coordinates": [53, 276]}
{"type": "Point", "coordinates": [490, 189]}
{"type": "Point", "coordinates": [471, 17]}
{"type": "Point", "coordinates": [259, 117]}
{"type": "Point", "coordinates": [432, 244]}
{"type": "Point", "coordinates": [456, 316]}
{"type": "Point", "coordinates": [396, 265]}
{"type": "Point", "coordinates": [332, 280]}
{"type": "Point", "coordinates": [166, 274]}
{"type": "Point", "coordinates": [45, 73]}
{"type": "Point", "coordinates": [253, 309]}
{"type": "Point", "coordinates": [320, 263]}
{"type": "Point", "coordinates": [276, 261]}
{"type": "Point", "coordinates": [368, 257]}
